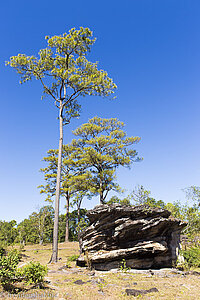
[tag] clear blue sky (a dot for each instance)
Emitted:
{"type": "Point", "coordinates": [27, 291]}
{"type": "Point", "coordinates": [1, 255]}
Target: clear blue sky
{"type": "Point", "coordinates": [151, 49]}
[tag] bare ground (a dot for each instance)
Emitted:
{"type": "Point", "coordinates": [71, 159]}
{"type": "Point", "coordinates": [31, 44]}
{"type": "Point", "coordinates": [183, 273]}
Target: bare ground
{"type": "Point", "coordinates": [76, 283]}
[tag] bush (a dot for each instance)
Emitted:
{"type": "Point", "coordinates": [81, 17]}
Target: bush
{"type": "Point", "coordinates": [73, 257]}
{"type": "Point", "coordinates": [192, 256]}
{"type": "Point", "coordinates": [34, 273]}
{"type": "Point", "coordinates": [8, 268]}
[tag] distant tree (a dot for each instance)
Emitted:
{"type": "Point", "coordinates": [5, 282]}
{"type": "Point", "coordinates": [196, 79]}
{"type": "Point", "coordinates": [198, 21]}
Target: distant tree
{"type": "Point", "coordinates": [8, 232]}
{"type": "Point", "coordinates": [176, 209]}
{"type": "Point", "coordinates": [65, 75]}
{"type": "Point", "coordinates": [62, 228]}
{"type": "Point", "coordinates": [115, 199]}
{"type": "Point", "coordinates": [27, 231]}
{"type": "Point", "coordinates": [141, 196]}
{"type": "Point", "coordinates": [193, 194]}
{"type": "Point", "coordinates": [192, 216]}
{"type": "Point", "coordinates": [75, 224]}
{"type": "Point", "coordinates": [104, 146]}
{"type": "Point", "coordinates": [192, 209]}
{"type": "Point", "coordinates": [155, 203]}
{"type": "Point", "coordinates": [78, 221]}
{"type": "Point", "coordinates": [77, 201]}
{"type": "Point", "coordinates": [45, 218]}
{"type": "Point", "coordinates": [38, 228]}
{"type": "Point", "coordinates": [188, 213]}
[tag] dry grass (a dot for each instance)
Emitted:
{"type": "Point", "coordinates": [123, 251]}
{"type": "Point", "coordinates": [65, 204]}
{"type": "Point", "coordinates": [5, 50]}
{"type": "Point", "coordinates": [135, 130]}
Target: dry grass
{"type": "Point", "coordinates": [101, 285]}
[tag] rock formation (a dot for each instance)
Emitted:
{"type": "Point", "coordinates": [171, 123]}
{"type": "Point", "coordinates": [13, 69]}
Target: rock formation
{"type": "Point", "coordinates": [145, 237]}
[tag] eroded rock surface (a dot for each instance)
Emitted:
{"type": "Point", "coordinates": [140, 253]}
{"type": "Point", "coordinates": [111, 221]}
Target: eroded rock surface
{"type": "Point", "coordinates": [145, 237]}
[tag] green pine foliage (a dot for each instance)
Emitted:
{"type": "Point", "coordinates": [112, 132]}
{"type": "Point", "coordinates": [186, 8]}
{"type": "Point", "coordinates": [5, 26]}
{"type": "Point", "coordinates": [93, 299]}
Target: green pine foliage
{"type": "Point", "coordinates": [64, 71]}
{"type": "Point", "coordinates": [73, 174]}
{"type": "Point", "coordinates": [103, 146]}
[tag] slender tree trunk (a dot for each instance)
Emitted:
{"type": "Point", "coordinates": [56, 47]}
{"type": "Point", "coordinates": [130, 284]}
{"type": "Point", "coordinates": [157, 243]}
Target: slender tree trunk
{"type": "Point", "coordinates": [101, 192]}
{"type": "Point", "coordinates": [40, 232]}
{"type": "Point", "coordinates": [41, 240]}
{"type": "Point", "coordinates": [54, 256]}
{"type": "Point", "coordinates": [101, 198]}
{"type": "Point", "coordinates": [67, 220]}
{"type": "Point", "coordinates": [78, 212]}
{"type": "Point", "coordinates": [79, 207]}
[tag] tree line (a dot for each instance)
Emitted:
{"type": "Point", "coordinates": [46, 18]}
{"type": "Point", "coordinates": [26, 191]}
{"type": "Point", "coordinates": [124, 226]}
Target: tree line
{"type": "Point", "coordinates": [38, 227]}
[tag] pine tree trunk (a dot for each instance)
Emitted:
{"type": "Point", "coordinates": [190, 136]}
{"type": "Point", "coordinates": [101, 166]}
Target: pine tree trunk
{"type": "Point", "coordinates": [79, 218]}
{"type": "Point", "coordinates": [101, 198]}
{"type": "Point", "coordinates": [78, 214]}
{"type": "Point", "coordinates": [101, 192]}
{"type": "Point", "coordinates": [54, 257]}
{"type": "Point", "coordinates": [41, 240]}
{"type": "Point", "coordinates": [67, 220]}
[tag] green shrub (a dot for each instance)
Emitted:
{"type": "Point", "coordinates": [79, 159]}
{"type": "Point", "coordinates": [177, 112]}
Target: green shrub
{"type": "Point", "coordinates": [73, 257]}
{"type": "Point", "coordinates": [192, 256]}
{"type": "Point", "coordinates": [33, 273]}
{"type": "Point", "coordinates": [8, 269]}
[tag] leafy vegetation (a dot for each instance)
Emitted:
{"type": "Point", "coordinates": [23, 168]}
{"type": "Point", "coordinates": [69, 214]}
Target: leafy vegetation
{"type": "Point", "coordinates": [8, 232]}
{"type": "Point", "coordinates": [192, 257]}
{"type": "Point", "coordinates": [8, 269]}
{"type": "Point", "coordinates": [73, 257]}
{"type": "Point", "coordinates": [123, 266]}
{"type": "Point", "coordinates": [32, 273]}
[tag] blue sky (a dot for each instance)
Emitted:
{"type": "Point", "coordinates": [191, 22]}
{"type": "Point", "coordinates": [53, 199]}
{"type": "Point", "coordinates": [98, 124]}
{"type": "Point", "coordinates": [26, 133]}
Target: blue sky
{"type": "Point", "coordinates": [150, 48]}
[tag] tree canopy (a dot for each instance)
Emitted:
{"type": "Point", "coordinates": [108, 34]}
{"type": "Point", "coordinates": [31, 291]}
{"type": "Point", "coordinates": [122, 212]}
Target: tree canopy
{"type": "Point", "coordinates": [103, 146]}
{"type": "Point", "coordinates": [64, 71]}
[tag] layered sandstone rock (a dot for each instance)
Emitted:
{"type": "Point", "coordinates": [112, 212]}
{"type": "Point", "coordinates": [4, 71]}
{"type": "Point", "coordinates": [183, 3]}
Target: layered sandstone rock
{"type": "Point", "coordinates": [145, 237]}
